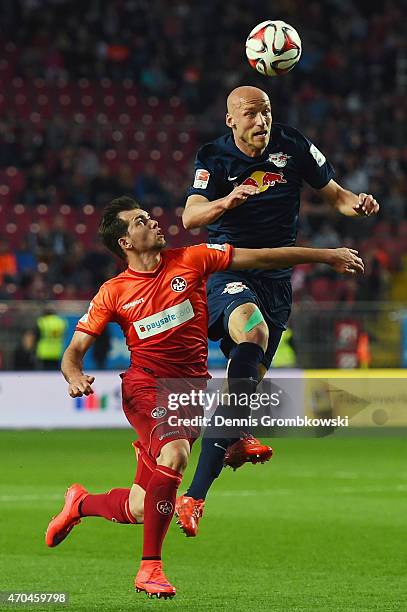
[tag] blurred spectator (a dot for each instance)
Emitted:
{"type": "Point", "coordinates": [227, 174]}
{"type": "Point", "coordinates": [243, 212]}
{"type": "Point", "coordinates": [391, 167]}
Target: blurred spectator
{"type": "Point", "coordinates": [54, 64]}
{"type": "Point", "coordinates": [348, 291]}
{"type": "Point", "coordinates": [98, 264]}
{"type": "Point", "coordinates": [70, 269]}
{"type": "Point", "coordinates": [39, 240]}
{"type": "Point", "coordinates": [326, 238]}
{"type": "Point", "coordinates": [101, 348]}
{"type": "Point", "coordinates": [60, 239]}
{"type": "Point", "coordinates": [50, 339]}
{"type": "Point", "coordinates": [356, 179]}
{"type": "Point", "coordinates": [154, 79]}
{"type": "Point", "coordinates": [24, 354]}
{"type": "Point", "coordinates": [75, 190]}
{"type": "Point", "coordinates": [363, 351]}
{"type": "Point", "coordinates": [57, 132]}
{"type": "Point", "coordinates": [125, 180]}
{"type": "Point", "coordinates": [26, 263]}
{"type": "Point", "coordinates": [104, 187]}
{"type": "Point", "coordinates": [8, 262]}
{"type": "Point", "coordinates": [38, 289]}
{"type": "Point", "coordinates": [26, 260]}
{"type": "Point", "coordinates": [285, 356]}
{"type": "Point", "coordinates": [148, 189]}
{"type": "Point", "coordinates": [37, 186]}
{"type": "Point", "coordinates": [87, 164]}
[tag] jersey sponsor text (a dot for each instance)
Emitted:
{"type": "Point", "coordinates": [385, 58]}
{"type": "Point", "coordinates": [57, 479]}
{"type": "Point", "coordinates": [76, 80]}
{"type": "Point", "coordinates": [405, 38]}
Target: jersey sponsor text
{"type": "Point", "coordinates": [164, 320]}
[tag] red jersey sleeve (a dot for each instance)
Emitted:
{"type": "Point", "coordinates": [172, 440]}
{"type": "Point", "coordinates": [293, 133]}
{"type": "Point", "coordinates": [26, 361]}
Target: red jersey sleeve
{"type": "Point", "coordinates": [208, 258]}
{"type": "Point", "coordinates": [100, 313]}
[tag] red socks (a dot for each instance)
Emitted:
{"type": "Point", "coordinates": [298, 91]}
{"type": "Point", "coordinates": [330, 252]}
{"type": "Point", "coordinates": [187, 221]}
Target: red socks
{"type": "Point", "coordinates": [113, 506]}
{"type": "Point", "coordinates": [159, 506]}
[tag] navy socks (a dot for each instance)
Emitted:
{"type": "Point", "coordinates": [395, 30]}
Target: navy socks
{"type": "Point", "coordinates": [242, 379]}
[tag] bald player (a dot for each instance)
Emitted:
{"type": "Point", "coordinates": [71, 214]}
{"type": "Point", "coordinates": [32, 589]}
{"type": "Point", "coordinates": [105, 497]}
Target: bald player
{"type": "Point", "coordinates": [246, 192]}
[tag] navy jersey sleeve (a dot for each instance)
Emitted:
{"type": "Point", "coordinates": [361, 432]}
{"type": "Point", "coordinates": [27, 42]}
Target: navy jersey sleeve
{"type": "Point", "coordinates": [204, 182]}
{"type": "Point", "coordinates": [316, 170]}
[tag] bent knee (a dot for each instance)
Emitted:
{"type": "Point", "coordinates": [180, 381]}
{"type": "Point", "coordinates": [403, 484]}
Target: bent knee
{"type": "Point", "coordinates": [175, 455]}
{"type": "Point", "coordinates": [136, 503]}
{"type": "Point", "coordinates": [247, 324]}
{"type": "Point", "coordinates": [137, 512]}
{"type": "Point", "coordinates": [259, 334]}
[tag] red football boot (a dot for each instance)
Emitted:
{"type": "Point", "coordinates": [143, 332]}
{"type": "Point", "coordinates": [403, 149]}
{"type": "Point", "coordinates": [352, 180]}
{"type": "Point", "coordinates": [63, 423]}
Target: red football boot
{"type": "Point", "coordinates": [63, 523]}
{"type": "Point", "coordinates": [247, 449]}
{"type": "Point", "coordinates": [189, 511]}
{"type": "Point", "coordinates": [151, 579]}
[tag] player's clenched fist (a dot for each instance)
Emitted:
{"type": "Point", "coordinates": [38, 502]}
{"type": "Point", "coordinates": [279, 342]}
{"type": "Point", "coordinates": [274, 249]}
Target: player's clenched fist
{"type": "Point", "coordinates": [366, 205]}
{"type": "Point", "coordinates": [239, 195]}
{"type": "Point", "coordinates": [80, 385]}
{"type": "Point", "coordinates": [346, 261]}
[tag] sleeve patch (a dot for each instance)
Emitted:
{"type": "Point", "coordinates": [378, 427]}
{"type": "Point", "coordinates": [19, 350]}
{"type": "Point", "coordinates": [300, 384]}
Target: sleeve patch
{"type": "Point", "coordinates": [201, 178]}
{"type": "Point", "coordinates": [218, 247]}
{"type": "Point", "coordinates": [317, 155]}
{"type": "Point", "coordinates": [85, 317]}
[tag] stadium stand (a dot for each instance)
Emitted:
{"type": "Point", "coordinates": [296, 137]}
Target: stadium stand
{"type": "Point", "coordinates": [92, 106]}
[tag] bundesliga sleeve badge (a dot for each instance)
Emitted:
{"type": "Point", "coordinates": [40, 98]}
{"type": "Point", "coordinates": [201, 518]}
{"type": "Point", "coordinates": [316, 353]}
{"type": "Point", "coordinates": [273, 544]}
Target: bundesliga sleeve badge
{"type": "Point", "coordinates": [201, 178]}
{"type": "Point", "coordinates": [317, 155]}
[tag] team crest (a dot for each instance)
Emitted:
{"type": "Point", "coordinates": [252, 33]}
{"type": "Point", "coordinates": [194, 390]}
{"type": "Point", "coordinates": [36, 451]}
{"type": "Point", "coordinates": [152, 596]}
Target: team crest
{"type": "Point", "coordinates": [279, 159]}
{"type": "Point", "coordinates": [159, 412]}
{"type": "Point", "coordinates": [235, 287]}
{"type": "Point", "coordinates": [165, 507]}
{"type": "Point", "coordinates": [178, 284]}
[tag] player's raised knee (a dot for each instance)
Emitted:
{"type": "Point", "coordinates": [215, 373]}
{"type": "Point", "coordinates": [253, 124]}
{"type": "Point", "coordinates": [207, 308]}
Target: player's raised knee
{"type": "Point", "coordinates": [247, 324]}
{"type": "Point", "coordinates": [259, 334]}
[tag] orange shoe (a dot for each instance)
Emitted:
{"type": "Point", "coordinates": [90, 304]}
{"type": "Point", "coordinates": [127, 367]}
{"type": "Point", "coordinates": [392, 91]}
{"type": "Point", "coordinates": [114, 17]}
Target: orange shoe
{"type": "Point", "coordinates": [189, 511]}
{"type": "Point", "coordinates": [150, 579]}
{"type": "Point", "coordinates": [247, 449]}
{"type": "Point", "coordinates": [63, 523]}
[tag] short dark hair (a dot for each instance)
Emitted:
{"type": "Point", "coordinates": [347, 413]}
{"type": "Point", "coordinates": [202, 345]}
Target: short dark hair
{"type": "Point", "coordinates": [111, 227]}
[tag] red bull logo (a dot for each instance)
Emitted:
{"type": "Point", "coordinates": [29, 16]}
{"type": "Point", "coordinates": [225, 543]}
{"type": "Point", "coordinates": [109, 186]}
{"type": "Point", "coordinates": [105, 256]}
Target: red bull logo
{"type": "Point", "coordinates": [279, 159]}
{"type": "Point", "coordinates": [264, 180]}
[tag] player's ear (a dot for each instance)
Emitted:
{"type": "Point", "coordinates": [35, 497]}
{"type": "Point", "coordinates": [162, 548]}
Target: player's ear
{"type": "Point", "coordinates": [124, 243]}
{"type": "Point", "coordinates": [230, 122]}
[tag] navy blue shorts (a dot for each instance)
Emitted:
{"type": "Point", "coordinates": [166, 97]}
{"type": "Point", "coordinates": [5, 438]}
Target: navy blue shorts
{"type": "Point", "coordinates": [227, 290]}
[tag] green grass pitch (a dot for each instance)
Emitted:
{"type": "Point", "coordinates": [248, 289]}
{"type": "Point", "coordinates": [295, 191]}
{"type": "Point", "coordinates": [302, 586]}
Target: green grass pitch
{"type": "Point", "coordinates": [322, 526]}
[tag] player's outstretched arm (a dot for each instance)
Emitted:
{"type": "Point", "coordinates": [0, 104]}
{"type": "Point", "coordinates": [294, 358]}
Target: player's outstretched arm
{"type": "Point", "coordinates": [199, 211]}
{"type": "Point", "coordinates": [348, 203]}
{"type": "Point", "coordinates": [79, 383]}
{"type": "Point", "coordinates": [343, 260]}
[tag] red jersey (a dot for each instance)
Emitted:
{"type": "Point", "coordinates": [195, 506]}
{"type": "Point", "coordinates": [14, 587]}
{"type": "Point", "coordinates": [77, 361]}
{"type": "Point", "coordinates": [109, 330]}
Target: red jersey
{"type": "Point", "coordinates": [163, 313]}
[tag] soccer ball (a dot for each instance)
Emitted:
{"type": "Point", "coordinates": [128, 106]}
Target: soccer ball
{"type": "Point", "coordinates": [273, 47]}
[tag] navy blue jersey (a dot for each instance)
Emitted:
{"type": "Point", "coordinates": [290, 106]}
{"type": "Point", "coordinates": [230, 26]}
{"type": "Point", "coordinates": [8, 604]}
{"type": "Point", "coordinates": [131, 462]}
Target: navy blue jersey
{"type": "Point", "coordinates": [270, 218]}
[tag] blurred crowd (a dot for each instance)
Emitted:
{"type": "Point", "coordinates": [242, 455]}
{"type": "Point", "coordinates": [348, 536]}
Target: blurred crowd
{"type": "Point", "coordinates": [106, 98]}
